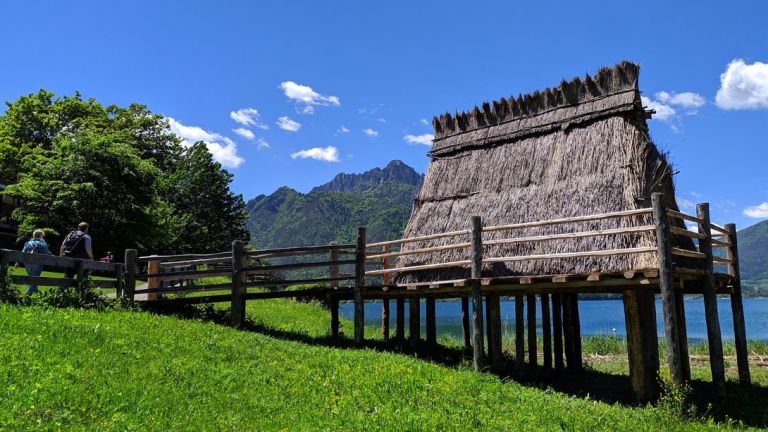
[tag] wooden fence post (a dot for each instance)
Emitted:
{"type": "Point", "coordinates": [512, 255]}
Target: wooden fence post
{"type": "Point", "coordinates": [466, 332]}
{"type": "Point", "coordinates": [333, 300]}
{"type": "Point", "coordinates": [130, 273]}
{"type": "Point", "coordinates": [737, 307]}
{"type": "Point", "coordinates": [716, 361]}
{"type": "Point", "coordinates": [238, 287]}
{"type": "Point", "coordinates": [477, 298]}
{"type": "Point", "coordinates": [431, 324]}
{"type": "Point", "coordinates": [546, 332]}
{"type": "Point", "coordinates": [153, 269]}
{"type": "Point", "coordinates": [386, 279]}
{"type": "Point", "coordinates": [519, 334]}
{"type": "Point", "coordinates": [557, 323]}
{"type": "Point", "coordinates": [666, 284]}
{"type": "Point", "coordinates": [359, 286]}
{"type": "Point", "coordinates": [3, 271]}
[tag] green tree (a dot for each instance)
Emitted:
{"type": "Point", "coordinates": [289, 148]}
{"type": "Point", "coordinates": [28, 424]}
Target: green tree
{"type": "Point", "coordinates": [207, 216]}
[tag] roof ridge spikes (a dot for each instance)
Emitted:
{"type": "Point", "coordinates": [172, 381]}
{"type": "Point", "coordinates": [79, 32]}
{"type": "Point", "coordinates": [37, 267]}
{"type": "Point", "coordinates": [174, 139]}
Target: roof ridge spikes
{"type": "Point", "coordinates": [607, 80]}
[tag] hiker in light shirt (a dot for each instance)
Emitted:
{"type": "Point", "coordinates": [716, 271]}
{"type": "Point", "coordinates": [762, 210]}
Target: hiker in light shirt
{"type": "Point", "coordinates": [36, 245]}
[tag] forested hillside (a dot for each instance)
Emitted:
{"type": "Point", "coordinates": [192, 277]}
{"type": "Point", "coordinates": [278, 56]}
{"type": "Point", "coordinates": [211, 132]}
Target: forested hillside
{"type": "Point", "coordinates": [381, 199]}
{"type": "Point", "coordinates": [753, 254]}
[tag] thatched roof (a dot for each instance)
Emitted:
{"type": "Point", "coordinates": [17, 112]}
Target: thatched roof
{"type": "Point", "coordinates": [577, 149]}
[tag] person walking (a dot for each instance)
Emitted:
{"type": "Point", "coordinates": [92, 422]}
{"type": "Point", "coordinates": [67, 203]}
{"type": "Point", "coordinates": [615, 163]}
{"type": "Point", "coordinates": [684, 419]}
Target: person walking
{"type": "Point", "coordinates": [36, 245]}
{"type": "Point", "coordinates": [77, 244]}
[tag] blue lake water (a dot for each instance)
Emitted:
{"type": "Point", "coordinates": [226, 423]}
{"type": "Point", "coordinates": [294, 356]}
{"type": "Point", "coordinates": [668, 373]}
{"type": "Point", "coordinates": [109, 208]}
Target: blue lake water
{"type": "Point", "coordinates": [598, 317]}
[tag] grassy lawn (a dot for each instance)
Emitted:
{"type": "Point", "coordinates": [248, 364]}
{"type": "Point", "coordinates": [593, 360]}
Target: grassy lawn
{"type": "Point", "coordinates": [118, 370]}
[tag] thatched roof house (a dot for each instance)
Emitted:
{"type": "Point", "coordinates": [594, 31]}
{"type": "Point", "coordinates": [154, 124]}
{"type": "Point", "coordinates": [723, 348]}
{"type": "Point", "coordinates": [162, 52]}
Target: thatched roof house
{"type": "Point", "coordinates": [577, 149]}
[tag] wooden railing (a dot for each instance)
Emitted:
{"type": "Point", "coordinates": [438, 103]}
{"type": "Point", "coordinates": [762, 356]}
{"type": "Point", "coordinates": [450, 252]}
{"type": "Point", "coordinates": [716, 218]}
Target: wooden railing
{"type": "Point", "coordinates": [112, 274]}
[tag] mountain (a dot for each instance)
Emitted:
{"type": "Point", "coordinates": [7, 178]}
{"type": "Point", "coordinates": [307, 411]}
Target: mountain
{"type": "Point", "coordinates": [753, 255]}
{"type": "Point", "coordinates": [381, 199]}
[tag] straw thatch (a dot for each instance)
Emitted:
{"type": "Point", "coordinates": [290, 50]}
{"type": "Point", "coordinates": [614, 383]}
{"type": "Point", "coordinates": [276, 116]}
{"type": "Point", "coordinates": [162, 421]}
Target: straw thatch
{"type": "Point", "coordinates": [578, 149]}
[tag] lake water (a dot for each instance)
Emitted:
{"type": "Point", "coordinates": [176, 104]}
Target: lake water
{"type": "Point", "coordinates": [598, 317]}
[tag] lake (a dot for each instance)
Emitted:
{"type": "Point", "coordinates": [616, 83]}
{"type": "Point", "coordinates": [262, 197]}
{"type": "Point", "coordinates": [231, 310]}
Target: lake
{"type": "Point", "coordinates": [598, 317]}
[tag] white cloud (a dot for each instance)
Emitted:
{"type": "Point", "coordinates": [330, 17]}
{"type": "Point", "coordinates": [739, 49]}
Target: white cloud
{"type": "Point", "coordinates": [327, 154]}
{"type": "Point", "coordinates": [686, 100]}
{"type": "Point", "coordinates": [424, 139]}
{"type": "Point", "coordinates": [247, 117]}
{"type": "Point", "coordinates": [684, 203]}
{"type": "Point", "coordinates": [370, 132]}
{"type": "Point", "coordinates": [743, 86]}
{"type": "Point", "coordinates": [663, 112]}
{"type": "Point", "coordinates": [692, 226]}
{"type": "Point", "coordinates": [306, 98]}
{"type": "Point", "coordinates": [245, 133]}
{"type": "Point", "coordinates": [261, 143]}
{"type": "Point", "coordinates": [758, 211]}
{"type": "Point", "coordinates": [223, 149]}
{"type": "Point", "coordinates": [424, 121]}
{"type": "Point", "coordinates": [342, 129]}
{"type": "Point", "coordinates": [287, 124]}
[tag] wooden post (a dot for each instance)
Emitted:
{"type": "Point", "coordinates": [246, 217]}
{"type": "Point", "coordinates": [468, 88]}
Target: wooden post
{"type": "Point", "coordinates": [519, 334]}
{"type": "Point", "coordinates": [737, 307]}
{"type": "Point", "coordinates": [557, 323]}
{"type": "Point", "coordinates": [683, 332]}
{"type": "Point", "coordinates": [546, 332]}
{"type": "Point", "coordinates": [477, 299]}
{"type": "Point", "coordinates": [4, 271]}
{"type": "Point", "coordinates": [493, 311]}
{"type": "Point", "coordinates": [465, 329]}
{"type": "Point", "coordinates": [130, 273]}
{"type": "Point", "coordinates": [359, 287]}
{"type": "Point", "coordinates": [414, 321]}
{"type": "Point", "coordinates": [119, 280]}
{"type": "Point", "coordinates": [668, 299]}
{"type": "Point", "coordinates": [238, 287]}
{"type": "Point", "coordinates": [153, 269]}
{"type": "Point", "coordinates": [572, 332]}
{"type": "Point", "coordinates": [642, 343]}
{"type": "Point", "coordinates": [431, 324]}
{"type": "Point", "coordinates": [80, 277]}
{"type": "Point", "coordinates": [333, 299]}
{"type": "Point", "coordinates": [716, 361]}
{"type": "Point", "coordinates": [400, 323]}
{"type": "Point", "coordinates": [385, 280]}
{"type": "Point", "coordinates": [532, 354]}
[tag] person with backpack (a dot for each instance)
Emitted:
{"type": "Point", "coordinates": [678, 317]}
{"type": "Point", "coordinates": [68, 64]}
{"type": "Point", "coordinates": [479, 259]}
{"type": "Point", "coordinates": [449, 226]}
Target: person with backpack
{"type": "Point", "coordinates": [77, 244]}
{"type": "Point", "coordinates": [36, 245]}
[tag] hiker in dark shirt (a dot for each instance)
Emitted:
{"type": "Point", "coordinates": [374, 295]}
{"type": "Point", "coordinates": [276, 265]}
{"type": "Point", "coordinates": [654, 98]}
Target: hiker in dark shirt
{"type": "Point", "coordinates": [77, 244]}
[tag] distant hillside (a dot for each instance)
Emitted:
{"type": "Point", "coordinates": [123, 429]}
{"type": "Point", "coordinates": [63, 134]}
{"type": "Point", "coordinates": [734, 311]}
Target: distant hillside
{"type": "Point", "coordinates": [753, 256]}
{"type": "Point", "coordinates": [380, 199]}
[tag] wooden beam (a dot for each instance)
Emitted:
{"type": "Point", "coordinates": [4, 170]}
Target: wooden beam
{"type": "Point", "coordinates": [642, 344]}
{"type": "Point", "coordinates": [493, 309]}
{"type": "Point", "coordinates": [414, 320]}
{"type": "Point", "coordinates": [668, 298]}
{"type": "Point", "coordinates": [477, 299]}
{"type": "Point", "coordinates": [421, 238]}
{"type": "Point", "coordinates": [532, 354]}
{"type": "Point", "coordinates": [557, 324]}
{"type": "Point", "coordinates": [737, 308]}
{"type": "Point", "coordinates": [519, 334]}
{"type": "Point", "coordinates": [600, 253]}
{"type": "Point", "coordinates": [130, 273]}
{"type": "Point", "coordinates": [568, 220]}
{"type": "Point", "coordinates": [359, 319]}
{"type": "Point", "coordinates": [683, 332]}
{"type": "Point", "coordinates": [546, 332]}
{"type": "Point", "coordinates": [574, 235]}
{"type": "Point", "coordinates": [465, 329]}
{"type": "Point", "coordinates": [716, 362]}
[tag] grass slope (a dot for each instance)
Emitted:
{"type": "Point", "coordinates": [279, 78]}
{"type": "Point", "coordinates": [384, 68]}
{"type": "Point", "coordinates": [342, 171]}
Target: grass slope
{"type": "Point", "coordinates": [117, 370]}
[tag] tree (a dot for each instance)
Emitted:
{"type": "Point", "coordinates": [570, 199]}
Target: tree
{"type": "Point", "coordinates": [207, 216]}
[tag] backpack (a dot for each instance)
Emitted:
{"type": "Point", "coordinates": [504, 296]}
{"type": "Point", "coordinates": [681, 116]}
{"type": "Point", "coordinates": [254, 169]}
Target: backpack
{"type": "Point", "coordinates": [74, 245]}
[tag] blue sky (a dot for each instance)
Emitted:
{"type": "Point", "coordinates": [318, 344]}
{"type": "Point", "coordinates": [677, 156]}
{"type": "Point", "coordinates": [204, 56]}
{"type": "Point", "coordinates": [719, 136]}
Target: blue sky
{"type": "Point", "coordinates": [344, 87]}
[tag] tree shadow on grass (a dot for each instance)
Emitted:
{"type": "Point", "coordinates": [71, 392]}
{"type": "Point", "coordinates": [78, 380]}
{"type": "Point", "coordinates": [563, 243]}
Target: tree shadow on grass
{"type": "Point", "coordinates": [744, 403]}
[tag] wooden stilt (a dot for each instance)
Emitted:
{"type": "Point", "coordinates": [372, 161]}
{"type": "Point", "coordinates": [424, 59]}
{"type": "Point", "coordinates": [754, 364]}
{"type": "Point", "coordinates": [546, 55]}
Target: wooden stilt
{"type": "Point", "coordinates": [414, 319]}
{"type": "Point", "coordinates": [716, 362]}
{"type": "Point", "coordinates": [557, 324]}
{"type": "Point", "coordinates": [519, 334]}
{"type": "Point", "coordinates": [642, 344]}
{"type": "Point", "coordinates": [737, 307]}
{"type": "Point", "coordinates": [431, 325]}
{"type": "Point", "coordinates": [465, 329]}
{"type": "Point", "coordinates": [400, 322]}
{"type": "Point", "coordinates": [532, 354]}
{"type": "Point", "coordinates": [546, 333]}
{"type": "Point", "coordinates": [359, 287]}
{"type": "Point", "coordinates": [477, 300]}
{"type": "Point", "coordinates": [668, 299]}
{"type": "Point", "coordinates": [572, 330]}
{"type": "Point", "coordinates": [492, 308]}
{"type": "Point", "coordinates": [683, 332]}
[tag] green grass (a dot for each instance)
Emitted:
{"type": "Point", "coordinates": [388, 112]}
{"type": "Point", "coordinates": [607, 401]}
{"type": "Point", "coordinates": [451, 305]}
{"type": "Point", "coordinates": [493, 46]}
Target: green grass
{"type": "Point", "coordinates": [66, 369]}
